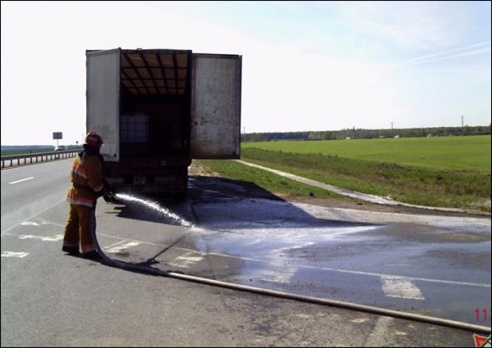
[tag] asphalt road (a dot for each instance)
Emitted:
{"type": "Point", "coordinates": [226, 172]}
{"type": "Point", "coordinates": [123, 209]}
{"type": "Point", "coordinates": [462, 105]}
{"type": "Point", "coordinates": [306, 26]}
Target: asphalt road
{"type": "Point", "coordinates": [424, 265]}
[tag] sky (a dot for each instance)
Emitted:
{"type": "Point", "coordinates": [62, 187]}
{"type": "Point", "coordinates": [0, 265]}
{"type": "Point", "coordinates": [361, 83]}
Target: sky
{"type": "Point", "coordinates": [306, 65]}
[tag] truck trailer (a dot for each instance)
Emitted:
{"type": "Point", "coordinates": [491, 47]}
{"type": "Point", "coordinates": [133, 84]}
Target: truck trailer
{"type": "Point", "coordinates": [157, 109]}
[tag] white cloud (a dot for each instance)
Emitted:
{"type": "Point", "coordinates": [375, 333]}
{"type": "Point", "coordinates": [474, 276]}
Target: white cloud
{"type": "Point", "coordinates": [480, 48]}
{"type": "Point", "coordinates": [412, 25]}
{"type": "Point", "coordinates": [292, 90]}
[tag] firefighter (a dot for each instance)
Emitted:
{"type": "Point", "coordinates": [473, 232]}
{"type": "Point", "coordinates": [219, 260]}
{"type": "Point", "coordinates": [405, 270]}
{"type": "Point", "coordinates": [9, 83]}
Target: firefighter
{"type": "Point", "coordinates": [87, 185]}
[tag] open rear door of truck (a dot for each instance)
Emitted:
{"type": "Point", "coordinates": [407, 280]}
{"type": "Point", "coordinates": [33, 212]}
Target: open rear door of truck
{"type": "Point", "coordinates": [216, 106]}
{"type": "Point", "coordinates": [103, 90]}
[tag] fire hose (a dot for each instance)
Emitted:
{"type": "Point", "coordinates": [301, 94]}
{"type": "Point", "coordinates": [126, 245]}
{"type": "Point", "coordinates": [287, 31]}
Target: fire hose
{"type": "Point", "coordinates": [110, 196]}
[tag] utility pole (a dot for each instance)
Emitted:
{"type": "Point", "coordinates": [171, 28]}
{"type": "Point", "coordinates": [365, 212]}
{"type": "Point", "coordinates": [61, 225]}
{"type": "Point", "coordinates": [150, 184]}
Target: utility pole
{"type": "Point", "coordinates": [462, 125]}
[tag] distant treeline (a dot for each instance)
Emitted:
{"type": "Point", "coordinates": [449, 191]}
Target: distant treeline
{"type": "Point", "coordinates": [356, 133]}
{"type": "Point", "coordinates": [11, 150]}
{"type": "Point", "coordinates": [24, 147]}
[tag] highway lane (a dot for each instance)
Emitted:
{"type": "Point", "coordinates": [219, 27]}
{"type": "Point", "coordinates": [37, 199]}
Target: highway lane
{"type": "Point", "coordinates": [228, 241]}
{"type": "Point", "coordinates": [28, 190]}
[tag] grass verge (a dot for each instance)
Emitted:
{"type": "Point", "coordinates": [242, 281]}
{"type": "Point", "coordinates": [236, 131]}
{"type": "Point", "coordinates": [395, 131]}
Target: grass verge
{"type": "Point", "coordinates": [463, 189]}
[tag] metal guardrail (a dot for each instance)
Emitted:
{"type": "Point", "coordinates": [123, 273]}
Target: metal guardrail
{"type": "Point", "coordinates": [29, 158]}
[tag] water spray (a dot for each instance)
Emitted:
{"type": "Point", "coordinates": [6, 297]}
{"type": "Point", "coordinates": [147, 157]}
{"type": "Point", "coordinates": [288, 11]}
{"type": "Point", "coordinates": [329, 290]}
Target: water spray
{"type": "Point", "coordinates": [154, 206]}
{"type": "Point", "coordinates": [273, 293]}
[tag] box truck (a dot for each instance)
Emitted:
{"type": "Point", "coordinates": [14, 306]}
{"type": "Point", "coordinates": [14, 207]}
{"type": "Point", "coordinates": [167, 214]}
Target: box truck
{"type": "Point", "coordinates": [157, 109]}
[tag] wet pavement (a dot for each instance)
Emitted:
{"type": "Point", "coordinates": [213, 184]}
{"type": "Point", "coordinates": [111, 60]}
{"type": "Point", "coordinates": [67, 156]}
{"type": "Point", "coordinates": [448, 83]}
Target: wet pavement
{"type": "Point", "coordinates": [442, 271]}
{"type": "Point", "coordinates": [432, 265]}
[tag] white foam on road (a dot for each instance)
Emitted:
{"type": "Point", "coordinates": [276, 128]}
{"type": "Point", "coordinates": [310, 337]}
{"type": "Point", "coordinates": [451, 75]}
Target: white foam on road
{"type": "Point", "coordinates": [401, 288]}
{"type": "Point", "coordinates": [120, 246]}
{"type": "Point", "coordinates": [187, 260]}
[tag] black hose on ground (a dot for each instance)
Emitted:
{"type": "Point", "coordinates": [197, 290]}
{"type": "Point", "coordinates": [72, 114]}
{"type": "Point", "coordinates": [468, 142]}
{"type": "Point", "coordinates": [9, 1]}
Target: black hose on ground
{"type": "Point", "coordinates": [315, 300]}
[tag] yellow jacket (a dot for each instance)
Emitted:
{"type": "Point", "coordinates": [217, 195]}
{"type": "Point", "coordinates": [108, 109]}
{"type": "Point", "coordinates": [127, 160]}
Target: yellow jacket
{"type": "Point", "coordinates": [87, 180]}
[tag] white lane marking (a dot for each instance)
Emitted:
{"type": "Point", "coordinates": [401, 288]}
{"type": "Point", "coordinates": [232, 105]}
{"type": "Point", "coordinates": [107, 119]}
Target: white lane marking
{"type": "Point", "coordinates": [18, 181]}
{"type": "Point", "coordinates": [14, 254]}
{"type": "Point", "coordinates": [364, 273]}
{"type": "Point", "coordinates": [187, 259]}
{"type": "Point", "coordinates": [121, 246]}
{"type": "Point", "coordinates": [40, 223]}
{"type": "Point", "coordinates": [123, 240]}
{"type": "Point", "coordinates": [440, 281]}
{"type": "Point", "coordinates": [30, 223]}
{"type": "Point", "coordinates": [29, 218]}
{"type": "Point", "coordinates": [401, 287]}
{"type": "Point", "coordinates": [284, 276]}
{"type": "Point", "coordinates": [55, 238]}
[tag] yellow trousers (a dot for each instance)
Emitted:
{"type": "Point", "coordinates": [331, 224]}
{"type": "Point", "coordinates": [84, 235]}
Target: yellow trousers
{"type": "Point", "coordinates": [80, 222]}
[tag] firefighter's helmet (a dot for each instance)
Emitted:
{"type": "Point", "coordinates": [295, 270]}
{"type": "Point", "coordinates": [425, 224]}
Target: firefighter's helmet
{"type": "Point", "coordinates": [93, 139]}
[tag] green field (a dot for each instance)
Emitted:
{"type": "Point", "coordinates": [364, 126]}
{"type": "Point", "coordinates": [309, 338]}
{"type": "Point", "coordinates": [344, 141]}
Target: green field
{"type": "Point", "coordinates": [24, 150]}
{"type": "Point", "coordinates": [470, 153]}
{"type": "Point", "coordinates": [452, 172]}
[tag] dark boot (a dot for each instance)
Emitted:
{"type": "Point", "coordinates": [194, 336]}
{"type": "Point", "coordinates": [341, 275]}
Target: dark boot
{"type": "Point", "coordinates": [92, 255]}
{"type": "Point", "coordinates": [72, 250]}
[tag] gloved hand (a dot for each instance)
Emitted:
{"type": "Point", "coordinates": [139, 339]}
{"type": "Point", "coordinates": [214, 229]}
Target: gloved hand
{"type": "Point", "coordinates": [100, 193]}
{"type": "Point", "coordinates": [109, 192]}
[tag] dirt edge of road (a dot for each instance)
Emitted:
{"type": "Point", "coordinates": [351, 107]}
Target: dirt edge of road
{"type": "Point", "coordinates": [340, 202]}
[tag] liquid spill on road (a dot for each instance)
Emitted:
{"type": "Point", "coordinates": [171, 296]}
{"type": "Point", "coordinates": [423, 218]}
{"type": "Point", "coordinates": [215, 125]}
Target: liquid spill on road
{"type": "Point", "coordinates": [155, 207]}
